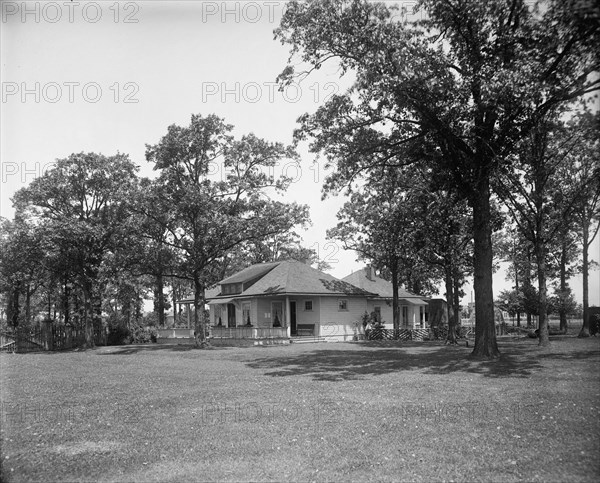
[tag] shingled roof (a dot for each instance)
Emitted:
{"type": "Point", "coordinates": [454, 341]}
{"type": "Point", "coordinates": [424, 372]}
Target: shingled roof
{"type": "Point", "coordinates": [289, 277]}
{"type": "Point", "coordinates": [372, 283]}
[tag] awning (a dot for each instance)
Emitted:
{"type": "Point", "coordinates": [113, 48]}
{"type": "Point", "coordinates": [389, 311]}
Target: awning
{"type": "Point", "coordinates": [414, 301]}
{"type": "Point", "coordinates": [220, 301]}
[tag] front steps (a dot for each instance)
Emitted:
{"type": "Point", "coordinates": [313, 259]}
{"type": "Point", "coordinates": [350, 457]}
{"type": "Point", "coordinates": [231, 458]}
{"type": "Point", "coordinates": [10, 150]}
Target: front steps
{"type": "Point", "coordinates": [307, 340]}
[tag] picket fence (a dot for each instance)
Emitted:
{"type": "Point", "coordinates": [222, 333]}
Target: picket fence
{"type": "Point", "coordinates": [48, 337]}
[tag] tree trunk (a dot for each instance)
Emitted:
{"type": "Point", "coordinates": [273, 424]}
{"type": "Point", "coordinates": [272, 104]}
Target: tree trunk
{"type": "Point", "coordinates": [456, 301]}
{"type": "Point", "coordinates": [199, 322]}
{"type": "Point", "coordinates": [395, 301]}
{"type": "Point", "coordinates": [174, 296]}
{"type": "Point", "coordinates": [563, 283]}
{"type": "Point", "coordinates": [49, 317]}
{"type": "Point", "coordinates": [66, 305]}
{"type": "Point", "coordinates": [486, 345]}
{"type": "Point", "coordinates": [540, 251]}
{"type": "Point", "coordinates": [517, 292]}
{"type": "Point", "coordinates": [27, 304]}
{"type": "Point", "coordinates": [159, 306]}
{"type": "Point", "coordinates": [528, 284]}
{"type": "Point", "coordinates": [585, 328]}
{"type": "Point", "coordinates": [88, 315]}
{"type": "Point", "coordinates": [14, 305]}
{"type": "Point", "coordinates": [97, 313]}
{"type": "Point", "coordinates": [451, 337]}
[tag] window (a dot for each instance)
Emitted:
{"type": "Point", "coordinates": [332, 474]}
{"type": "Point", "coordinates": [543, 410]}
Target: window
{"type": "Point", "coordinates": [231, 288]}
{"type": "Point", "coordinates": [218, 316]}
{"type": "Point", "coordinates": [246, 314]}
{"type": "Point", "coordinates": [342, 304]}
{"type": "Point", "coordinates": [308, 306]}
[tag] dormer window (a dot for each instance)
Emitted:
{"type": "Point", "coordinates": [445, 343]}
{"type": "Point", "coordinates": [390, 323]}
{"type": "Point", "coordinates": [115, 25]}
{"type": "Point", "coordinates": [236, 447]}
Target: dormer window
{"type": "Point", "coordinates": [231, 288]}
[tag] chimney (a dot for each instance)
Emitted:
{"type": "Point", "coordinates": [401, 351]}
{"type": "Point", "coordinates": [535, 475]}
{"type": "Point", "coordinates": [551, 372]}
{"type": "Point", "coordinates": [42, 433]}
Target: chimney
{"type": "Point", "coordinates": [369, 272]}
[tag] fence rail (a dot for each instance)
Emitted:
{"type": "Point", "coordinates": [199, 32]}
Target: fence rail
{"type": "Point", "coordinates": [47, 338]}
{"type": "Point", "coordinates": [415, 334]}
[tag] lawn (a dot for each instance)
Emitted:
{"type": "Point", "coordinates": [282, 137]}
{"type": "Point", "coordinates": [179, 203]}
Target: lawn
{"type": "Point", "coordinates": [306, 412]}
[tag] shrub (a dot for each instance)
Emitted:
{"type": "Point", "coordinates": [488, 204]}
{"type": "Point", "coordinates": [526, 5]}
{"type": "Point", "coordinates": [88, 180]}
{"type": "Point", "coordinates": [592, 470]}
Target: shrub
{"type": "Point", "coordinates": [143, 335]}
{"type": "Point", "coordinates": [118, 335]}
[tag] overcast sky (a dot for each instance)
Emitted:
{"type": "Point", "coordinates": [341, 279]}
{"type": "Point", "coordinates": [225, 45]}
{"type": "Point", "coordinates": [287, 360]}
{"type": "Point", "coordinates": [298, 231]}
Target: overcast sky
{"type": "Point", "coordinates": [108, 77]}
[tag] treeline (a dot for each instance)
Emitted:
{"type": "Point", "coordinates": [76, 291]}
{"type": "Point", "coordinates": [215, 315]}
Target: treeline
{"type": "Point", "coordinates": [90, 236]}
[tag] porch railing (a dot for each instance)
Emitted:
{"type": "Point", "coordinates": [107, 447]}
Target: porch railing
{"type": "Point", "coordinates": [249, 332]}
{"type": "Point", "coordinates": [175, 333]}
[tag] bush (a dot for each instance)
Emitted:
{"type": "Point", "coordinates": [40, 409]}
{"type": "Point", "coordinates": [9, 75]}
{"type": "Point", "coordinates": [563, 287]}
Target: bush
{"type": "Point", "coordinates": [150, 319]}
{"type": "Point", "coordinates": [118, 335]}
{"type": "Point", "coordinates": [143, 335]}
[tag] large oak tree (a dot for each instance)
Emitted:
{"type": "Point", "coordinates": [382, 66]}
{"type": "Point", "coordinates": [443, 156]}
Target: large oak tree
{"type": "Point", "coordinates": [473, 78]}
{"type": "Point", "coordinates": [215, 190]}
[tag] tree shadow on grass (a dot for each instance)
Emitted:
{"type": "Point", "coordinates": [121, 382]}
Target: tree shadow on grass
{"type": "Point", "coordinates": [337, 364]}
{"type": "Point", "coordinates": [120, 350]}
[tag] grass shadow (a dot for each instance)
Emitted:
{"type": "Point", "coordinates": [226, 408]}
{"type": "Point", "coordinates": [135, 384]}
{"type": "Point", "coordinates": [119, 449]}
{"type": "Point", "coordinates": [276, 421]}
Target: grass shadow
{"type": "Point", "coordinates": [121, 350]}
{"type": "Point", "coordinates": [339, 364]}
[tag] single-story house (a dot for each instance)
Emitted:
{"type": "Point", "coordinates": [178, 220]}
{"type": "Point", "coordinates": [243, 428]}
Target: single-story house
{"type": "Point", "coordinates": [289, 298]}
{"type": "Point", "coordinates": [413, 309]}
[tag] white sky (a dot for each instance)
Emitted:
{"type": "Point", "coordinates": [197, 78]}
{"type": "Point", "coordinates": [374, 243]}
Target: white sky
{"type": "Point", "coordinates": [112, 76]}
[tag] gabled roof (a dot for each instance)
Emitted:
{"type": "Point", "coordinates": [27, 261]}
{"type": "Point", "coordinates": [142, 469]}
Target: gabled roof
{"type": "Point", "coordinates": [377, 285]}
{"type": "Point", "coordinates": [289, 277]}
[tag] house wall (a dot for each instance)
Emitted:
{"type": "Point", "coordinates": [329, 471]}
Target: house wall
{"type": "Point", "coordinates": [265, 317]}
{"type": "Point", "coordinates": [387, 315]}
{"type": "Point", "coordinates": [214, 315]}
{"type": "Point", "coordinates": [413, 321]}
{"type": "Point", "coordinates": [307, 316]}
{"type": "Point", "coordinates": [330, 322]}
{"type": "Point", "coordinates": [339, 325]}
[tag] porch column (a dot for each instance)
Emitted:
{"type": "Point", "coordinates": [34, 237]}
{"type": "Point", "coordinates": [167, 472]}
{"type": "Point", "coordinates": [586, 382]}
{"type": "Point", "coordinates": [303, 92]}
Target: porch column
{"type": "Point", "coordinates": [288, 318]}
{"type": "Point", "coordinates": [187, 306]}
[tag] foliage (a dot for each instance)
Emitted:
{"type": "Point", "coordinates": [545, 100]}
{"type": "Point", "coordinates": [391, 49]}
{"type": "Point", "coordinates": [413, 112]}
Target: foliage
{"type": "Point", "coordinates": [204, 219]}
{"type": "Point", "coordinates": [371, 319]}
{"type": "Point", "coordinates": [79, 211]}
{"type": "Point", "coordinates": [511, 301]}
{"type": "Point", "coordinates": [466, 81]}
{"type": "Point", "coordinates": [118, 335]}
{"type": "Point", "coordinates": [142, 334]}
{"type": "Point", "coordinates": [563, 300]}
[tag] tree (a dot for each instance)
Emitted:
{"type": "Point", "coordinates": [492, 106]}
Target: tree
{"type": "Point", "coordinates": [510, 301]}
{"type": "Point", "coordinates": [473, 77]}
{"type": "Point", "coordinates": [21, 268]}
{"type": "Point", "coordinates": [210, 217]}
{"type": "Point", "coordinates": [580, 180]}
{"type": "Point", "coordinates": [280, 246]}
{"type": "Point", "coordinates": [378, 223]}
{"type": "Point", "coordinates": [511, 247]}
{"type": "Point", "coordinates": [79, 208]}
{"type": "Point", "coordinates": [525, 190]}
{"type": "Point", "coordinates": [447, 234]}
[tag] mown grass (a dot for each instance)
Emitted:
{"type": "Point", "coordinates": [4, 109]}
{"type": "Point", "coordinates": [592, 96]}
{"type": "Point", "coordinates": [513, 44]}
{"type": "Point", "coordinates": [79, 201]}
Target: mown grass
{"type": "Point", "coordinates": [311, 412]}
